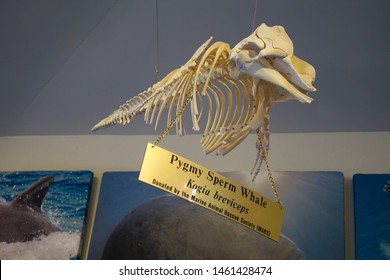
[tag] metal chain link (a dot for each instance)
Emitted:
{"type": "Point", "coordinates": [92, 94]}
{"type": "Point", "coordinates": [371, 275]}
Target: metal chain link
{"type": "Point", "coordinates": [265, 158]}
{"type": "Point", "coordinates": [178, 115]}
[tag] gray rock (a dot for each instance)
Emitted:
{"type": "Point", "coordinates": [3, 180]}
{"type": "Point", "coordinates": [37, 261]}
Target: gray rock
{"type": "Point", "coordinates": [169, 227]}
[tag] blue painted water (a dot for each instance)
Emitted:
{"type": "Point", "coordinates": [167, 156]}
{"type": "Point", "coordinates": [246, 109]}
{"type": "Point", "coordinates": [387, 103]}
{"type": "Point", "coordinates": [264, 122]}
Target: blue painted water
{"type": "Point", "coordinates": [65, 205]}
{"type": "Point", "coordinates": [372, 216]}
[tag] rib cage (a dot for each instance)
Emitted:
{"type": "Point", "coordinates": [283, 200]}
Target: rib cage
{"type": "Point", "coordinates": [204, 78]}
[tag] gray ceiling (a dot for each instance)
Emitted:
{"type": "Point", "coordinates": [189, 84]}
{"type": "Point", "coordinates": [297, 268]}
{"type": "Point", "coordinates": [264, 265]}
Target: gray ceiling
{"type": "Point", "coordinates": [65, 64]}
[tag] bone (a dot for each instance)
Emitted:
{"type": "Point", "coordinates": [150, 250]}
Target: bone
{"type": "Point", "coordinates": [239, 86]}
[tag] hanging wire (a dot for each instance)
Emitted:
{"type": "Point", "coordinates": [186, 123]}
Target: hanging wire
{"type": "Point", "coordinates": [254, 16]}
{"type": "Point", "coordinates": [157, 63]}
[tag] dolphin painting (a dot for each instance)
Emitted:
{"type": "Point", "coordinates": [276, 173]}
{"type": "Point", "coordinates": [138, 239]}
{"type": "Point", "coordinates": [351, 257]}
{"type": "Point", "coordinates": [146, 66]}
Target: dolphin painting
{"type": "Point", "coordinates": [21, 219]}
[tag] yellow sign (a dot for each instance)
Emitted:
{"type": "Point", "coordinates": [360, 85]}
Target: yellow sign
{"type": "Point", "coordinates": [198, 184]}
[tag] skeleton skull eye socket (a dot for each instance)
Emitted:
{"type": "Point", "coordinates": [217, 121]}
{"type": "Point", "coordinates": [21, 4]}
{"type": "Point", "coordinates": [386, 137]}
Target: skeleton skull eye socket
{"type": "Point", "coordinates": [252, 54]}
{"type": "Point", "coordinates": [251, 47]}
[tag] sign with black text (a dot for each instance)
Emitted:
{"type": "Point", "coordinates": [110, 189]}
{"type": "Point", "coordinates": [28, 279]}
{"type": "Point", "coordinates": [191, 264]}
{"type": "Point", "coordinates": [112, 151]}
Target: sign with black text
{"type": "Point", "coordinates": [198, 184]}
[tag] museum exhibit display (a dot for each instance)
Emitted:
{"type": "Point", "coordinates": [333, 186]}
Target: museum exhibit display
{"type": "Point", "coordinates": [90, 97]}
{"type": "Point", "coordinates": [43, 214]}
{"type": "Point", "coordinates": [235, 88]}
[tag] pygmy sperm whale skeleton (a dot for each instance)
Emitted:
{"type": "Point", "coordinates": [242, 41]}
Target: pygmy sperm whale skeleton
{"type": "Point", "coordinates": [239, 84]}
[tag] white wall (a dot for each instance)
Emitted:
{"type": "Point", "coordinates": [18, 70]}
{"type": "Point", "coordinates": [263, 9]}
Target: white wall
{"type": "Point", "coordinates": [348, 153]}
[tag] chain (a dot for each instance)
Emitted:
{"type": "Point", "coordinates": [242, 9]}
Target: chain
{"type": "Point", "coordinates": [270, 178]}
{"type": "Point", "coordinates": [169, 127]}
